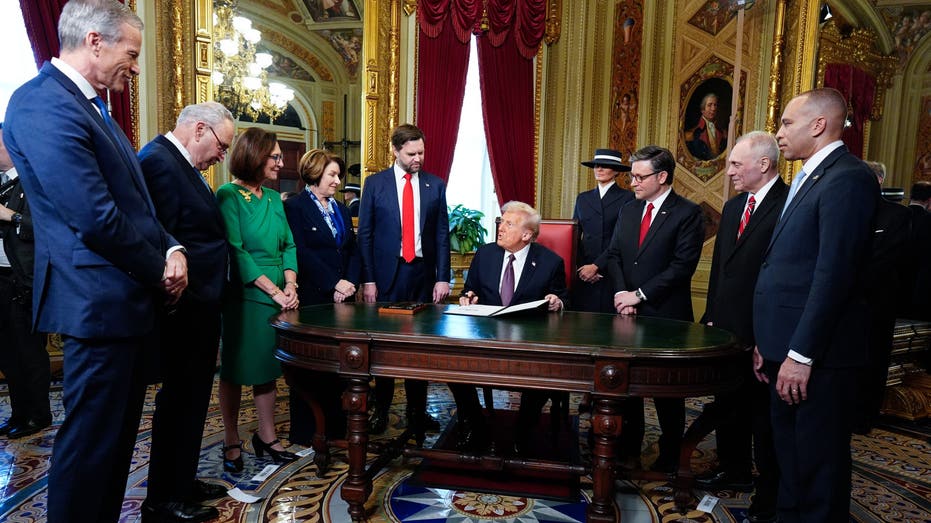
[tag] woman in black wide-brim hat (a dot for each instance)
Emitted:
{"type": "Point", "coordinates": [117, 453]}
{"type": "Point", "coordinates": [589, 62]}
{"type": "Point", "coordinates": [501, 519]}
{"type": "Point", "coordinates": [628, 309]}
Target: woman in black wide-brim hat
{"type": "Point", "coordinates": [597, 211]}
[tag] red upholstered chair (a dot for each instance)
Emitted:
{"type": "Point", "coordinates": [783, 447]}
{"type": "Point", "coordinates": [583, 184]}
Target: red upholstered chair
{"type": "Point", "coordinates": [561, 237]}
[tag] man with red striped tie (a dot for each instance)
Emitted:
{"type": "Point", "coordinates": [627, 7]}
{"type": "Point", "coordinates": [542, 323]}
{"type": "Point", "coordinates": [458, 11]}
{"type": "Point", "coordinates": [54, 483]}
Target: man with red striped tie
{"type": "Point", "coordinates": [654, 251]}
{"type": "Point", "coordinates": [747, 223]}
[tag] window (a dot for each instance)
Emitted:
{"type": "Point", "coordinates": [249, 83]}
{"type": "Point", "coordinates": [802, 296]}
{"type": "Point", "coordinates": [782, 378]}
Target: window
{"type": "Point", "coordinates": [19, 64]}
{"type": "Point", "coordinates": [470, 180]}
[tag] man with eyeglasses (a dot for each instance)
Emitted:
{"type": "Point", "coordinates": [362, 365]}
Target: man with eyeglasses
{"type": "Point", "coordinates": [652, 256]}
{"type": "Point", "coordinates": [190, 329]}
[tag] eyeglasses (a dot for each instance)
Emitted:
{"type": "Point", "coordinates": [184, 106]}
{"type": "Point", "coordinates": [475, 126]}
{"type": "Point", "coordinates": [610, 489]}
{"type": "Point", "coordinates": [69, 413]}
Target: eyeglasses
{"type": "Point", "coordinates": [277, 157]}
{"type": "Point", "coordinates": [223, 146]}
{"type": "Point", "coordinates": [640, 177]}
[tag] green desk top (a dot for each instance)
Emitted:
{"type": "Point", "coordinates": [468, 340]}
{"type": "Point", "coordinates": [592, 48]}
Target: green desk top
{"type": "Point", "coordinates": [562, 331]}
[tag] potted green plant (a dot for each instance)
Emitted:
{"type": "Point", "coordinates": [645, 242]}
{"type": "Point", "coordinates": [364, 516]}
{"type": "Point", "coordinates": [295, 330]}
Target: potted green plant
{"type": "Point", "coordinates": [466, 234]}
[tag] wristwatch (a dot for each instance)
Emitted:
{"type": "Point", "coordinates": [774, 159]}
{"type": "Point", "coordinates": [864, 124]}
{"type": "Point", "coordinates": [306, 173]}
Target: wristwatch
{"type": "Point", "coordinates": [640, 295]}
{"type": "Point", "coordinates": [16, 219]}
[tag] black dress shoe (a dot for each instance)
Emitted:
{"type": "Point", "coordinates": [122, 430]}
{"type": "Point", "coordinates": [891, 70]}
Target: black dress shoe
{"type": "Point", "coordinates": [720, 480]}
{"type": "Point", "coordinates": [378, 424]}
{"type": "Point", "coordinates": [203, 491]}
{"type": "Point", "coordinates": [761, 514]}
{"type": "Point", "coordinates": [7, 426]}
{"type": "Point", "coordinates": [431, 424]}
{"type": "Point", "coordinates": [27, 428]}
{"type": "Point", "coordinates": [278, 456]}
{"type": "Point", "coordinates": [665, 464]}
{"type": "Point", "coordinates": [171, 511]}
{"type": "Point", "coordinates": [471, 436]}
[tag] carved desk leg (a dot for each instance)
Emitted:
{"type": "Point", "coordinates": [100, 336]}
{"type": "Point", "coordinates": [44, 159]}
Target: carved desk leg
{"type": "Point", "coordinates": [606, 424]}
{"type": "Point", "coordinates": [358, 485]}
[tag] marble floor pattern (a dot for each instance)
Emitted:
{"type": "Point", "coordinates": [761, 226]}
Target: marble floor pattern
{"type": "Point", "coordinates": [892, 478]}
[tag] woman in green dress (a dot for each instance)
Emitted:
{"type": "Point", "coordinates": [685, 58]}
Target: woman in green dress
{"type": "Point", "coordinates": [263, 280]}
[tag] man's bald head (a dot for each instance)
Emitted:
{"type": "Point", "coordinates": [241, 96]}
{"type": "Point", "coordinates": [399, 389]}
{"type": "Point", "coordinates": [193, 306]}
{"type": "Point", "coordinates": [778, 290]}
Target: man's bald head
{"type": "Point", "coordinates": [811, 121]}
{"type": "Point", "coordinates": [830, 104]}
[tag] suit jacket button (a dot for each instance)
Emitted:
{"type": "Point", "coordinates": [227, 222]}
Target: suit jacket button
{"type": "Point", "coordinates": [765, 265]}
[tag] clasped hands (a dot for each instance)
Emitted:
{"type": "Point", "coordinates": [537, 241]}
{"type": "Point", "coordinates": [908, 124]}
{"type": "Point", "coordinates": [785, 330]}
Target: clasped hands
{"type": "Point", "coordinates": [589, 273]}
{"type": "Point", "coordinates": [343, 290]}
{"type": "Point", "coordinates": [174, 276]}
{"type": "Point", "coordinates": [626, 302]}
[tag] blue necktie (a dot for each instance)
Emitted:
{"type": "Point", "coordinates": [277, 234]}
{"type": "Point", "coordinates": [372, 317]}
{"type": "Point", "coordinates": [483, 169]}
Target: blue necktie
{"type": "Point", "coordinates": [796, 183]}
{"type": "Point", "coordinates": [98, 101]}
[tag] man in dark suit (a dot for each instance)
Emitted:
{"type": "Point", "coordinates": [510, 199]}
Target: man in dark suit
{"type": "Point", "coordinates": [811, 311]}
{"type": "Point", "coordinates": [103, 261]}
{"type": "Point", "coordinates": [747, 223]}
{"type": "Point", "coordinates": [597, 211]}
{"type": "Point", "coordinates": [513, 270]}
{"type": "Point", "coordinates": [654, 251]}
{"type": "Point", "coordinates": [189, 331]}
{"type": "Point", "coordinates": [404, 243]}
{"type": "Point", "coordinates": [919, 271]}
{"type": "Point", "coordinates": [23, 358]}
{"type": "Point", "coordinates": [351, 194]}
{"type": "Point", "coordinates": [888, 282]}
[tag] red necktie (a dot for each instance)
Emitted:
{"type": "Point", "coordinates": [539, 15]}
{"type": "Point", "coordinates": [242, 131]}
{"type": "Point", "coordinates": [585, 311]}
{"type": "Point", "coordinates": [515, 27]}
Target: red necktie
{"type": "Point", "coordinates": [645, 223]}
{"type": "Point", "coordinates": [407, 220]}
{"type": "Point", "coordinates": [745, 219]}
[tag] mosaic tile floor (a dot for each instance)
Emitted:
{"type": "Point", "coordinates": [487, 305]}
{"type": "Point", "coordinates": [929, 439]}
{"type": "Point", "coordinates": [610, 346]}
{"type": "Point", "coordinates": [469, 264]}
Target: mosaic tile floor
{"type": "Point", "coordinates": [892, 479]}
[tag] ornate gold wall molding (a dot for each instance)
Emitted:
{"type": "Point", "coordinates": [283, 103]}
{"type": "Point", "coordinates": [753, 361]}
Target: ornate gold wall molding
{"type": "Point", "coordinates": [173, 19]}
{"type": "Point", "coordinates": [553, 21]}
{"type": "Point", "coordinates": [381, 35]}
{"type": "Point", "coordinates": [861, 49]}
{"type": "Point", "coordinates": [774, 100]}
{"type": "Point", "coordinates": [800, 71]}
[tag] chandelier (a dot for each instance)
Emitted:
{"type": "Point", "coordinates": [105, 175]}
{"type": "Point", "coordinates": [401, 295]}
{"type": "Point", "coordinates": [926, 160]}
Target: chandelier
{"type": "Point", "coordinates": [239, 77]}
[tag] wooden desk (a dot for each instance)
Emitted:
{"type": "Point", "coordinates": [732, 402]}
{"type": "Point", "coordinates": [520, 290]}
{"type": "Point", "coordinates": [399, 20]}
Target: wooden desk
{"type": "Point", "coordinates": [609, 356]}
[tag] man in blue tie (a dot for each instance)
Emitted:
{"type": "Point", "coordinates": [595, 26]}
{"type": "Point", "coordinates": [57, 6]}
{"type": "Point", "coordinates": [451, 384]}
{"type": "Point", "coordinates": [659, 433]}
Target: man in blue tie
{"type": "Point", "coordinates": [190, 331]}
{"type": "Point", "coordinates": [811, 310]}
{"type": "Point", "coordinates": [103, 262]}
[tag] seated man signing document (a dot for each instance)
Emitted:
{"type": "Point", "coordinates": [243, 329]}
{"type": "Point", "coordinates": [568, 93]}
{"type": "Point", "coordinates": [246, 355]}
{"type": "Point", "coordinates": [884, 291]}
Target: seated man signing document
{"type": "Point", "coordinates": [513, 270]}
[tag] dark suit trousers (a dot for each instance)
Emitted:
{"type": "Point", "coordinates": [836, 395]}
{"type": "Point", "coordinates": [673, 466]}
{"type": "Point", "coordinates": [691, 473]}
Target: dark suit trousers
{"type": "Point", "coordinates": [812, 442]}
{"type": "Point", "coordinates": [103, 392]}
{"type": "Point", "coordinates": [190, 338]}
{"type": "Point", "coordinates": [671, 414]}
{"type": "Point", "coordinates": [744, 431]}
{"type": "Point", "coordinates": [410, 284]}
{"type": "Point", "coordinates": [24, 360]}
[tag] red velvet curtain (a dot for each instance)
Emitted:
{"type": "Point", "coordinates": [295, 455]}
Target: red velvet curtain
{"type": "Point", "coordinates": [441, 81]}
{"type": "Point", "coordinates": [859, 89]}
{"type": "Point", "coordinates": [41, 20]}
{"type": "Point", "coordinates": [506, 48]}
{"type": "Point", "coordinates": [507, 106]}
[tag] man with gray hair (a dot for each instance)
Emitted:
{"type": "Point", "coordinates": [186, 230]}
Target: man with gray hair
{"type": "Point", "coordinates": [190, 330]}
{"type": "Point", "coordinates": [747, 223]}
{"type": "Point", "coordinates": [514, 269]}
{"type": "Point", "coordinates": [103, 262]}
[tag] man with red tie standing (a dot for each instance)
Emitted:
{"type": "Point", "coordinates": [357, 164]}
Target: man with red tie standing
{"type": "Point", "coordinates": [404, 242]}
{"type": "Point", "coordinates": [652, 256]}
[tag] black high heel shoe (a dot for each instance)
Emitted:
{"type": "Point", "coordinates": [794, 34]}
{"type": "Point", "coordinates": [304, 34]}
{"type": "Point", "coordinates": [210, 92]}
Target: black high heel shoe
{"type": "Point", "coordinates": [232, 465]}
{"type": "Point", "coordinates": [278, 456]}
